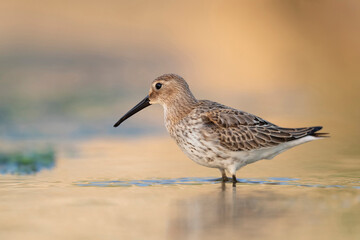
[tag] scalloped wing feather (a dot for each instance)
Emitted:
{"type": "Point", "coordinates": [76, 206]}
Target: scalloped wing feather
{"type": "Point", "coordinates": [241, 131]}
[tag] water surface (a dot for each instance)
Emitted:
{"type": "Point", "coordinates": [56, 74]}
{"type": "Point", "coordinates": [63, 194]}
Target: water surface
{"type": "Point", "coordinates": [107, 189]}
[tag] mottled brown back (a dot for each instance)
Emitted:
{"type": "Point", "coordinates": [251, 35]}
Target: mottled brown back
{"type": "Point", "coordinates": [241, 131]}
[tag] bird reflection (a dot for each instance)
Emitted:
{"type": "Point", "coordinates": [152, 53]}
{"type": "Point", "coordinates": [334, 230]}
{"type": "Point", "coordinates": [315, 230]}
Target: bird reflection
{"type": "Point", "coordinates": [226, 211]}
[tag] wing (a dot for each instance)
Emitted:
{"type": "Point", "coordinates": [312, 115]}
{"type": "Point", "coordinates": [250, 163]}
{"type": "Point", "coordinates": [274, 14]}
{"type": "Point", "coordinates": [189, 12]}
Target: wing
{"type": "Point", "coordinates": [227, 118]}
{"type": "Point", "coordinates": [241, 131]}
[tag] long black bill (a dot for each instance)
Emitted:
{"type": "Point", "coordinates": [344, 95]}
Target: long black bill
{"type": "Point", "coordinates": [141, 105]}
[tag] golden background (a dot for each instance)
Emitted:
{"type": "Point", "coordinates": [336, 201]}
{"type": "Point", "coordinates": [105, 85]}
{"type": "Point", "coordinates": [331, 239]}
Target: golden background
{"type": "Point", "coordinates": [65, 62]}
{"type": "Point", "coordinates": [70, 69]}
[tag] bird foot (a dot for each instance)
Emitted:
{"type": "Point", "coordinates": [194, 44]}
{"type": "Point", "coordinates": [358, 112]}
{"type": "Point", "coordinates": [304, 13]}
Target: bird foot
{"type": "Point", "coordinates": [234, 180]}
{"type": "Point", "coordinates": [224, 178]}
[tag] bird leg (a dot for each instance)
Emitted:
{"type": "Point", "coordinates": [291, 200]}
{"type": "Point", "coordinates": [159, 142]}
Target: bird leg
{"type": "Point", "coordinates": [224, 178]}
{"type": "Point", "coordinates": [234, 180]}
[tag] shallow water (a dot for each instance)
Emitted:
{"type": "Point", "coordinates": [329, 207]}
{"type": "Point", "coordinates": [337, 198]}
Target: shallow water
{"type": "Point", "coordinates": [148, 189]}
{"type": "Point", "coordinates": [208, 180]}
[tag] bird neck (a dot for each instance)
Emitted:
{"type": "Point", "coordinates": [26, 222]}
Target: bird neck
{"type": "Point", "coordinates": [179, 108]}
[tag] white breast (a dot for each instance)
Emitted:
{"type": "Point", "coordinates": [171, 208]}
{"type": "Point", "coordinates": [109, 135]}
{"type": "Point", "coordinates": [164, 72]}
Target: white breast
{"type": "Point", "coordinates": [188, 137]}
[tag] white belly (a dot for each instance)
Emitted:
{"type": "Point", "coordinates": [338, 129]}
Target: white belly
{"type": "Point", "coordinates": [204, 152]}
{"type": "Point", "coordinates": [188, 137]}
{"type": "Point", "coordinates": [246, 157]}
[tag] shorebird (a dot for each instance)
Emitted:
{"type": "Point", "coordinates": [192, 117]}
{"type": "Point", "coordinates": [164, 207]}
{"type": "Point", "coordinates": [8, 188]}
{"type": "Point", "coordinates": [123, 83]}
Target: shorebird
{"type": "Point", "coordinates": [217, 136]}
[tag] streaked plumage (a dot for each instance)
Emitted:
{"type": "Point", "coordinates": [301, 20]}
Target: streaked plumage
{"type": "Point", "coordinates": [215, 135]}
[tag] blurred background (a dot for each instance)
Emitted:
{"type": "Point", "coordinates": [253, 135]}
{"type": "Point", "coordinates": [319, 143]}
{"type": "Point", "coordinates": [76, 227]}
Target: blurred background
{"type": "Point", "coordinates": [70, 69]}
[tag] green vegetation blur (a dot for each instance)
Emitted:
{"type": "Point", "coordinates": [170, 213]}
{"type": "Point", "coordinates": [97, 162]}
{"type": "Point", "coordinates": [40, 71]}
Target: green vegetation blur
{"type": "Point", "coordinates": [26, 162]}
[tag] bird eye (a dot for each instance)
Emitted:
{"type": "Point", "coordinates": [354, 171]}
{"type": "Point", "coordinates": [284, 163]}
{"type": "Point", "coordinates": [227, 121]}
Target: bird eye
{"type": "Point", "coordinates": [158, 86]}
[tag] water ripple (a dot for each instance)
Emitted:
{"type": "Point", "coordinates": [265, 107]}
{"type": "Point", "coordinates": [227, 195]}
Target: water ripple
{"type": "Point", "coordinates": [203, 181]}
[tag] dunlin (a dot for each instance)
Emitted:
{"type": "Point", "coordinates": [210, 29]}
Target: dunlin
{"type": "Point", "coordinates": [217, 136]}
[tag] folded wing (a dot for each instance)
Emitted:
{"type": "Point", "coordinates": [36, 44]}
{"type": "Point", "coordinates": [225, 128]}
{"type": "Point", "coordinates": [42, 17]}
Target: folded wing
{"type": "Point", "coordinates": [241, 131]}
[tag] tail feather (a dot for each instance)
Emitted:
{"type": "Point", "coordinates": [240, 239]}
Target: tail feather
{"type": "Point", "coordinates": [314, 132]}
{"type": "Point", "coordinates": [321, 135]}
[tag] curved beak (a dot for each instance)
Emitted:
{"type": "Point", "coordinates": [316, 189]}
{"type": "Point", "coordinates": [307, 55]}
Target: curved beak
{"type": "Point", "coordinates": [141, 105]}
